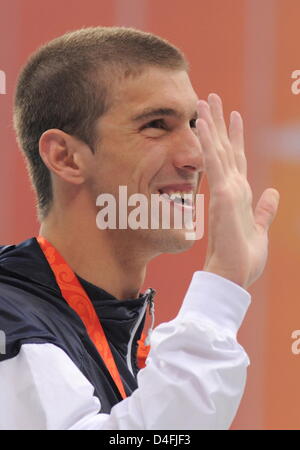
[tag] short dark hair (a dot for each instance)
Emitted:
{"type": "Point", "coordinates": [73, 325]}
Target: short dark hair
{"type": "Point", "coordinates": [65, 85]}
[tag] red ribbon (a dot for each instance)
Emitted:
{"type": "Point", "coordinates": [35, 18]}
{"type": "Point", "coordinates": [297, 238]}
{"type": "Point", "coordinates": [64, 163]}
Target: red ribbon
{"type": "Point", "coordinates": [78, 300]}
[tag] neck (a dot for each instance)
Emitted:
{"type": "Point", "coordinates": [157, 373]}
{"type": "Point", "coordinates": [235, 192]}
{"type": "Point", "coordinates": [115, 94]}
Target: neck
{"type": "Point", "coordinates": [102, 258]}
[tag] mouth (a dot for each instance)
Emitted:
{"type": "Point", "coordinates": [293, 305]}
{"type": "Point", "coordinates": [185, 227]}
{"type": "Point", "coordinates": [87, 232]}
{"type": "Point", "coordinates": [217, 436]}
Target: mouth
{"type": "Point", "coordinates": [179, 195]}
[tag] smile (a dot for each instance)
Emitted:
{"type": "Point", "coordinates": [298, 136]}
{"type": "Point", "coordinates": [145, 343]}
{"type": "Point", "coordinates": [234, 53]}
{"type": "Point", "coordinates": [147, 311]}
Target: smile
{"type": "Point", "coordinates": [181, 198]}
{"type": "Point", "coordinates": [182, 195]}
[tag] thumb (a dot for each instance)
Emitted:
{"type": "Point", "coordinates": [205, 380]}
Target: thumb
{"type": "Point", "coordinates": [266, 208]}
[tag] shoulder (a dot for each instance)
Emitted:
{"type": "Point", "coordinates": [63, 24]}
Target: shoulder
{"type": "Point", "coordinates": [29, 313]}
{"type": "Point", "coordinates": [32, 309]}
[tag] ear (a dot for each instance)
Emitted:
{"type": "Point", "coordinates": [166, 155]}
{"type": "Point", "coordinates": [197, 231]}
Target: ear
{"type": "Point", "coordinates": [63, 155]}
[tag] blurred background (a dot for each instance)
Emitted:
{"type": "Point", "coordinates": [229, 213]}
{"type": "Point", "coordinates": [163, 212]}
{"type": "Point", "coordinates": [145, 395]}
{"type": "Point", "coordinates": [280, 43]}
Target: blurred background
{"type": "Point", "coordinates": [246, 51]}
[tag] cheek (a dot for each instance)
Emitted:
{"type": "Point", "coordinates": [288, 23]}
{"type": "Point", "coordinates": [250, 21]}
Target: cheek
{"type": "Point", "coordinates": [150, 160]}
{"type": "Point", "coordinates": [107, 162]}
{"type": "Point", "coordinates": [117, 155]}
{"type": "Point", "coordinates": [133, 163]}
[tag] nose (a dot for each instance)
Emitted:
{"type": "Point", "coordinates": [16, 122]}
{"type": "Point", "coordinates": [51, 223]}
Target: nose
{"type": "Point", "coordinates": [187, 153]}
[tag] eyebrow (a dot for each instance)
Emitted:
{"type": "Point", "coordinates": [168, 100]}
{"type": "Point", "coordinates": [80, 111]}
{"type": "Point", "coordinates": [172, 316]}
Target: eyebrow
{"type": "Point", "coordinates": [155, 112]}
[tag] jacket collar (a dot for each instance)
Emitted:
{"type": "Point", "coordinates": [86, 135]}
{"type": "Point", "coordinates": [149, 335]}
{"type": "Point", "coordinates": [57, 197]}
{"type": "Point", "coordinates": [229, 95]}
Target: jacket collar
{"type": "Point", "coordinates": [26, 260]}
{"type": "Point", "coordinates": [122, 320]}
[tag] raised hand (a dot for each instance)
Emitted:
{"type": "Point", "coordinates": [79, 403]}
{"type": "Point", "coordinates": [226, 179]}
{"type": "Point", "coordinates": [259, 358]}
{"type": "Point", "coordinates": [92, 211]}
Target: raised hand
{"type": "Point", "coordinates": [237, 235]}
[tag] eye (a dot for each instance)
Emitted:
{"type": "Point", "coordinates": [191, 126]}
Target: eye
{"type": "Point", "coordinates": [193, 123]}
{"type": "Point", "coordinates": [158, 123]}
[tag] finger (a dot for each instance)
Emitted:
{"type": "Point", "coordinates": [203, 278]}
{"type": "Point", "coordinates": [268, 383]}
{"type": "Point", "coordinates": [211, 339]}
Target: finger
{"type": "Point", "coordinates": [216, 108]}
{"type": "Point", "coordinates": [213, 166]}
{"type": "Point", "coordinates": [205, 114]}
{"type": "Point", "coordinates": [236, 136]}
{"type": "Point", "coordinates": [266, 208]}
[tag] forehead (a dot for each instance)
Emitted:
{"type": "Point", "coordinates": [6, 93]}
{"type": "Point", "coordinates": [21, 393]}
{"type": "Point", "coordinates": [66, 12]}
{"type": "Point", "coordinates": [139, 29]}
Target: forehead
{"type": "Point", "coordinates": [154, 88]}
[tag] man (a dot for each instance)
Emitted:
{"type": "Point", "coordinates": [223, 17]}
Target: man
{"type": "Point", "coordinates": [97, 109]}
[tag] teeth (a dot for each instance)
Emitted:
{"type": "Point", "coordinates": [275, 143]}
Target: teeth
{"type": "Point", "coordinates": [179, 197]}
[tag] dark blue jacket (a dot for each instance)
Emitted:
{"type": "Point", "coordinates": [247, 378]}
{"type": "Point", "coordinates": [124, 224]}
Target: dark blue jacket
{"type": "Point", "coordinates": [32, 310]}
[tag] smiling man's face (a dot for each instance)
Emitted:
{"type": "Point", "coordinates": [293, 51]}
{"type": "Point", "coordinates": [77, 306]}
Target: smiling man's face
{"type": "Point", "coordinates": [148, 143]}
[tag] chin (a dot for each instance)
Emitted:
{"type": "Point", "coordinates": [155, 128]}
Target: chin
{"type": "Point", "coordinates": [172, 241]}
{"type": "Point", "coordinates": [180, 246]}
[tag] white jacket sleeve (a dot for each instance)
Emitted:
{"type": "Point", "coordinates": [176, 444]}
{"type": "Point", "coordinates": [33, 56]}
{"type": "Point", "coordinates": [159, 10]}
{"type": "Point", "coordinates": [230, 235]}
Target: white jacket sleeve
{"type": "Point", "coordinates": [194, 378]}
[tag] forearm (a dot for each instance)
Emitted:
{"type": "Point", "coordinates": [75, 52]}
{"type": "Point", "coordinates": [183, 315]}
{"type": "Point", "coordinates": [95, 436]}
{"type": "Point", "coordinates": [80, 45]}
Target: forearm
{"type": "Point", "coordinates": [196, 370]}
{"type": "Point", "coordinates": [194, 378]}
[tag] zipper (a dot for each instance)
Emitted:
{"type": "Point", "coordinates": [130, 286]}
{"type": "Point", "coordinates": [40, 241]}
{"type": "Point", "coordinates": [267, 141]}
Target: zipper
{"type": "Point", "coordinates": [149, 301]}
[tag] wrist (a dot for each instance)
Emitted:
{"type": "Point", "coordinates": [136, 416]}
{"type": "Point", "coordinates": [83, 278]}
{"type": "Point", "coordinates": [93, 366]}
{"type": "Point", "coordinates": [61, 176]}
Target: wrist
{"type": "Point", "coordinates": [234, 276]}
